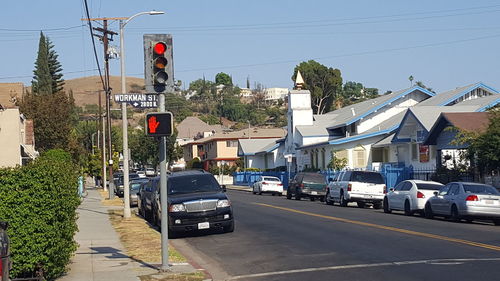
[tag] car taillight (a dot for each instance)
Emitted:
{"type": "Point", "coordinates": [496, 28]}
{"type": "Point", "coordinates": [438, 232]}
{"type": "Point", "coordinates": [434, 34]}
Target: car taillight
{"type": "Point", "coordinates": [349, 187]}
{"type": "Point", "coordinates": [280, 184]}
{"type": "Point", "coordinates": [385, 189]}
{"type": "Point", "coordinates": [420, 195]}
{"type": "Point", "coordinates": [264, 182]}
{"type": "Point", "coordinates": [472, 198]}
{"type": "Point", "coordinates": [301, 185]}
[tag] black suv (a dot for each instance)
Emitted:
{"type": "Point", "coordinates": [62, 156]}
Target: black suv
{"type": "Point", "coordinates": [196, 201]}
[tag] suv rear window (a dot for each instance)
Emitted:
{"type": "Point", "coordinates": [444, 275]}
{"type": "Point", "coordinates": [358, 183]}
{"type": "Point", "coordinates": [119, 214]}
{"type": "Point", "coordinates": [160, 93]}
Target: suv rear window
{"type": "Point", "coordinates": [314, 178]}
{"type": "Point", "coordinates": [192, 184]}
{"type": "Point", "coordinates": [270, 179]}
{"type": "Point", "coordinates": [368, 177]}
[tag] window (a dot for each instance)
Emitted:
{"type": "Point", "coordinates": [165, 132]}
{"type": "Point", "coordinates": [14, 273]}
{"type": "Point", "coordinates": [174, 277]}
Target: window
{"type": "Point", "coordinates": [480, 189]}
{"type": "Point", "coordinates": [407, 186]}
{"type": "Point", "coordinates": [428, 186]}
{"type": "Point", "coordinates": [414, 151]}
{"type": "Point", "coordinates": [369, 177]}
{"type": "Point", "coordinates": [359, 157]}
{"type": "Point", "coordinates": [454, 189]}
{"type": "Point", "coordinates": [232, 143]}
{"type": "Point", "coordinates": [444, 190]}
{"type": "Point", "coordinates": [399, 186]}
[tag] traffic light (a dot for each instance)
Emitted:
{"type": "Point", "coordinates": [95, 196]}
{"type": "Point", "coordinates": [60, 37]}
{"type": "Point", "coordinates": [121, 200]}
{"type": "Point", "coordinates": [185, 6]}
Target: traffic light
{"type": "Point", "coordinates": [158, 63]}
{"type": "Point", "coordinates": [159, 124]}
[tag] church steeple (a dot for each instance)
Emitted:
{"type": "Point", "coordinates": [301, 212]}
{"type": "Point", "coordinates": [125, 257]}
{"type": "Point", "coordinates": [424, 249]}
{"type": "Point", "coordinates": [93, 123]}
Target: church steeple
{"type": "Point", "coordinates": [299, 81]}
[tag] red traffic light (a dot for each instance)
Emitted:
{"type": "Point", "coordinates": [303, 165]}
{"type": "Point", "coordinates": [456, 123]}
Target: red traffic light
{"type": "Point", "coordinates": [160, 48]}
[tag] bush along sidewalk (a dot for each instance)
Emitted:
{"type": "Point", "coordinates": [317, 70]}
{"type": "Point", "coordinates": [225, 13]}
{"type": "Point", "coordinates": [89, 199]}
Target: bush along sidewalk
{"type": "Point", "coordinates": [39, 202]}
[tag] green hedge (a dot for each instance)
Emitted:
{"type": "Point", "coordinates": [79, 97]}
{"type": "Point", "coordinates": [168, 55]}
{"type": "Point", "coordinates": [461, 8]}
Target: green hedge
{"type": "Point", "coordinates": [39, 202]}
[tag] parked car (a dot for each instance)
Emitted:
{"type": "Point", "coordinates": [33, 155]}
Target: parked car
{"type": "Point", "coordinates": [410, 196]}
{"type": "Point", "coordinates": [311, 185]}
{"type": "Point", "coordinates": [196, 201]}
{"type": "Point", "coordinates": [142, 174]}
{"type": "Point", "coordinates": [150, 172]}
{"type": "Point", "coordinates": [135, 186]}
{"type": "Point", "coordinates": [268, 184]}
{"type": "Point", "coordinates": [4, 252]}
{"type": "Point", "coordinates": [465, 200]}
{"type": "Point", "coordinates": [146, 197]}
{"type": "Point", "coordinates": [119, 183]}
{"type": "Point", "coordinates": [356, 186]}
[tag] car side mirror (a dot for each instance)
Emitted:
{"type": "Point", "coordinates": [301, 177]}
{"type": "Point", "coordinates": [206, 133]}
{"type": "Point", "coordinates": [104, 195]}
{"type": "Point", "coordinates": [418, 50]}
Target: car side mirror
{"type": "Point", "coordinates": [391, 189]}
{"type": "Point", "coordinates": [436, 193]}
{"type": "Point", "coordinates": [224, 189]}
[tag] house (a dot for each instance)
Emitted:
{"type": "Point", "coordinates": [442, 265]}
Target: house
{"type": "Point", "coordinates": [444, 131]}
{"type": "Point", "coordinates": [17, 141]}
{"type": "Point", "coordinates": [348, 132]}
{"type": "Point", "coordinates": [263, 154]}
{"type": "Point", "coordinates": [192, 128]}
{"type": "Point", "coordinates": [407, 142]}
{"type": "Point", "coordinates": [223, 147]}
{"type": "Point", "coordinates": [273, 94]}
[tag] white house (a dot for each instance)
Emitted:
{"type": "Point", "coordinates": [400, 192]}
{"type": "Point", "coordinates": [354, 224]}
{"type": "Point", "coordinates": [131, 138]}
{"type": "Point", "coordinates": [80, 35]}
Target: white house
{"type": "Point", "coordinates": [275, 93]}
{"type": "Point", "coordinates": [263, 154]}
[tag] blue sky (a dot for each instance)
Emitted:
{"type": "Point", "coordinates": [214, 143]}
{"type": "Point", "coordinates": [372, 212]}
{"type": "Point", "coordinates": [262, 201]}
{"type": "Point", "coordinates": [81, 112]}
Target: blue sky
{"type": "Point", "coordinates": [445, 44]}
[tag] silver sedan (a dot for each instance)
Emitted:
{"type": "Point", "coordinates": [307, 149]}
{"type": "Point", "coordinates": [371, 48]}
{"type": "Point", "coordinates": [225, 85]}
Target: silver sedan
{"type": "Point", "coordinates": [465, 200]}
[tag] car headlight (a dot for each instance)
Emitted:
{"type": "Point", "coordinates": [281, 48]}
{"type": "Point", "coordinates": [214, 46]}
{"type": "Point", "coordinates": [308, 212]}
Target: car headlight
{"type": "Point", "coordinates": [177, 208]}
{"type": "Point", "coordinates": [223, 203]}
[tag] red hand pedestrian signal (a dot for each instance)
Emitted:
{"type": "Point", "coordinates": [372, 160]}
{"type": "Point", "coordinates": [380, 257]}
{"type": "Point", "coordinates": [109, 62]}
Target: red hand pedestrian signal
{"type": "Point", "coordinates": [153, 124]}
{"type": "Point", "coordinates": [159, 124]}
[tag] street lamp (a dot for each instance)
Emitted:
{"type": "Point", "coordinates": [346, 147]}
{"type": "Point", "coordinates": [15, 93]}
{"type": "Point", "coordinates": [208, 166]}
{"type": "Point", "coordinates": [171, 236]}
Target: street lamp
{"type": "Point", "coordinates": [126, 191]}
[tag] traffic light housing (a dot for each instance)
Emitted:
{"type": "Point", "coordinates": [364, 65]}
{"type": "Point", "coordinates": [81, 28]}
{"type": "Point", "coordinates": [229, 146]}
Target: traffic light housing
{"type": "Point", "coordinates": [159, 124]}
{"type": "Point", "coordinates": [158, 63]}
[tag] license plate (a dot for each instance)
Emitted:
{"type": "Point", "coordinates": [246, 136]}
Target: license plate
{"type": "Point", "coordinates": [488, 201]}
{"type": "Point", "coordinates": [203, 225]}
{"type": "Point", "coordinates": [314, 193]}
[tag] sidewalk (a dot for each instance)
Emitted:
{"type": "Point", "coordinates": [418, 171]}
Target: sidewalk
{"type": "Point", "coordinates": [100, 256]}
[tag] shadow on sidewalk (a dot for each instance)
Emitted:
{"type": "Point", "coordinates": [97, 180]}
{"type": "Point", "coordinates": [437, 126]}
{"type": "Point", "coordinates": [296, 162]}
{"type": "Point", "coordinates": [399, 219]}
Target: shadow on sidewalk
{"type": "Point", "coordinates": [117, 254]}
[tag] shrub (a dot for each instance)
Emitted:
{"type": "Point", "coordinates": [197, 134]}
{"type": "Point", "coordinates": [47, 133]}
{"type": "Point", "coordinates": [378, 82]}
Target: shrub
{"type": "Point", "coordinates": [39, 202]}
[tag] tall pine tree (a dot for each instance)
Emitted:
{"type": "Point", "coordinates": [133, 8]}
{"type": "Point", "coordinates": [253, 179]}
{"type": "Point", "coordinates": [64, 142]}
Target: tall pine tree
{"type": "Point", "coordinates": [47, 104]}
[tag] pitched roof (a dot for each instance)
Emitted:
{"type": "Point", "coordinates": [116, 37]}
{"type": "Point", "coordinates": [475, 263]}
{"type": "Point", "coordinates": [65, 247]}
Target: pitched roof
{"type": "Point", "coordinates": [352, 113]}
{"type": "Point", "coordinates": [255, 146]}
{"type": "Point", "coordinates": [253, 133]}
{"type": "Point", "coordinates": [484, 102]}
{"type": "Point", "coordinates": [447, 97]}
{"type": "Point", "coordinates": [468, 121]}
{"type": "Point", "coordinates": [427, 115]}
{"type": "Point", "coordinates": [191, 126]}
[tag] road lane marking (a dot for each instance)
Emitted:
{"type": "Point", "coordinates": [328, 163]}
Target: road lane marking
{"type": "Point", "coordinates": [390, 228]}
{"type": "Point", "coordinates": [353, 266]}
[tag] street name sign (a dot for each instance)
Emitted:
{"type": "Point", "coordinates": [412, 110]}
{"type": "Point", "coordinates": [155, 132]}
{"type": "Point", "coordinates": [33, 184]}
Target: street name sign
{"type": "Point", "coordinates": [138, 100]}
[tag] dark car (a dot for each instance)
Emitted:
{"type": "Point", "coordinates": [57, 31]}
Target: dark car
{"type": "Point", "coordinates": [196, 201]}
{"type": "Point", "coordinates": [311, 185]}
{"type": "Point", "coordinates": [119, 183]}
{"type": "Point", "coordinates": [4, 252]}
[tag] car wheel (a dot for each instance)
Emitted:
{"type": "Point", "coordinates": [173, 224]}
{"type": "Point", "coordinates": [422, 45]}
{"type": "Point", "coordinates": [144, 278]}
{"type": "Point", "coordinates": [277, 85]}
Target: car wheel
{"type": "Point", "coordinates": [260, 191]}
{"type": "Point", "coordinates": [297, 194]}
{"type": "Point", "coordinates": [173, 234]}
{"type": "Point", "coordinates": [253, 190]}
{"type": "Point", "coordinates": [408, 211]}
{"type": "Point", "coordinates": [288, 194]}
{"type": "Point", "coordinates": [377, 206]}
{"type": "Point", "coordinates": [387, 210]}
{"type": "Point", "coordinates": [361, 204]}
{"type": "Point", "coordinates": [327, 199]}
{"type": "Point", "coordinates": [343, 202]}
{"type": "Point", "coordinates": [454, 214]}
{"type": "Point", "coordinates": [229, 228]}
{"type": "Point", "coordinates": [312, 198]}
{"type": "Point", "coordinates": [496, 222]}
{"type": "Point", "coordinates": [273, 194]}
{"type": "Point", "coordinates": [428, 211]}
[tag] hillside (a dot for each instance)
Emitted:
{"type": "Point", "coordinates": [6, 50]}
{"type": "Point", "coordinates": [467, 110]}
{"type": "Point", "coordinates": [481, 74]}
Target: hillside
{"type": "Point", "coordinates": [85, 89]}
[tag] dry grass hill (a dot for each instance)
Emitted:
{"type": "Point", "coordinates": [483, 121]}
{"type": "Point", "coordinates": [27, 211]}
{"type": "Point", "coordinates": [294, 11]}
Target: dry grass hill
{"type": "Point", "coordinates": [86, 89]}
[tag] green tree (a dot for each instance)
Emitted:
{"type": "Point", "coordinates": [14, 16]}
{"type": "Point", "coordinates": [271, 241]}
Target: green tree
{"type": "Point", "coordinates": [337, 163]}
{"type": "Point", "coordinates": [354, 92]}
{"type": "Point", "coordinates": [223, 79]}
{"type": "Point", "coordinates": [324, 83]}
{"type": "Point", "coordinates": [47, 78]}
{"type": "Point", "coordinates": [422, 85]}
{"type": "Point", "coordinates": [483, 149]}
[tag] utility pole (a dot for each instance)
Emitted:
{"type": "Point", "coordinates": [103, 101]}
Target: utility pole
{"type": "Point", "coordinates": [106, 36]}
{"type": "Point", "coordinates": [101, 143]}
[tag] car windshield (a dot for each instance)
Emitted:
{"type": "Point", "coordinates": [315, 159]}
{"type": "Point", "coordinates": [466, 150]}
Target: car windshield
{"type": "Point", "coordinates": [271, 179]}
{"type": "Point", "coordinates": [480, 189]}
{"type": "Point", "coordinates": [369, 177]}
{"type": "Point", "coordinates": [133, 176]}
{"type": "Point", "coordinates": [192, 183]}
{"type": "Point", "coordinates": [314, 178]}
{"type": "Point", "coordinates": [429, 186]}
{"type": "Point", "coordinates": [135, 186]}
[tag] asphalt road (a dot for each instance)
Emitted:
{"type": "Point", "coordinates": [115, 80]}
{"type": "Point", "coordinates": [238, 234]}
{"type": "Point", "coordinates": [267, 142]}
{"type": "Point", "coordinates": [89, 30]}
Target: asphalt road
{"type": "Point", "coordinates": [280, 239]}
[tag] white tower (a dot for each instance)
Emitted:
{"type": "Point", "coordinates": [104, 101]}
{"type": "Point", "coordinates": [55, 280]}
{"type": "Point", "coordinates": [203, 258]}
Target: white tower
{"type": "Point", "coordinates": [299, 113]}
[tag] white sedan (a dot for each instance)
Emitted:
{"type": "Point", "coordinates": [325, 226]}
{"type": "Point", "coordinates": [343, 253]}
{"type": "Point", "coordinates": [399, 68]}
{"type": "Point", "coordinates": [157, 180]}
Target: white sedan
{"type": "Point", "coordinates": [267, 184]}
{"type": "Point", "coordinates": [410, 196]}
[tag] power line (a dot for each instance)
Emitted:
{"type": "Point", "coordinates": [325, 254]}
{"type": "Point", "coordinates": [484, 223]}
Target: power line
{"type": "Point", "coordinates": [41, 29]}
